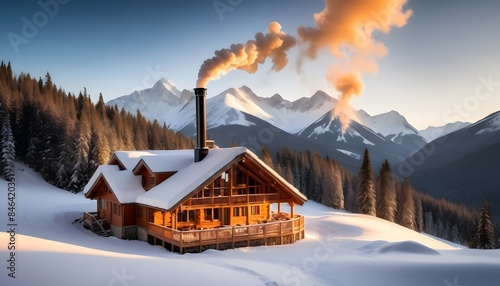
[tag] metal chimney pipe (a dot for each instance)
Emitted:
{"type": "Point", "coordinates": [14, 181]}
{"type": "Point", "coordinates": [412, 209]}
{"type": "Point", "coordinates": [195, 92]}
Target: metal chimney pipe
{"type": "Point", "coordinates": [201, 150]}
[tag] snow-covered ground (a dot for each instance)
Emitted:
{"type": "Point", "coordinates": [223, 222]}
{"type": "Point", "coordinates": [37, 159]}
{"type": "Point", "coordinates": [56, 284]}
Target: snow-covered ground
{"type": "Point", "coordinates": [339, 249]}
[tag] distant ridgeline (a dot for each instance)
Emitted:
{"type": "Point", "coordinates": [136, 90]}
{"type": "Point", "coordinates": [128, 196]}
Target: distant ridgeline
{"type": "Point", "coordinates": [65, 137]}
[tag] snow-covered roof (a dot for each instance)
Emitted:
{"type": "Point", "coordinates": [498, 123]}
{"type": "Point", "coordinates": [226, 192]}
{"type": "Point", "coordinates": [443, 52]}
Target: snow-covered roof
{"type": "Point", "coordinates": [129, 159]}
{"type": "Point", "coordinates": [169, 162]}
{"type": "Point", "coordinates": [125, 185]}
{"type": "Point", "coordinates": [189, 175]}
{"type": "Point", "coordinates": [186, 180]}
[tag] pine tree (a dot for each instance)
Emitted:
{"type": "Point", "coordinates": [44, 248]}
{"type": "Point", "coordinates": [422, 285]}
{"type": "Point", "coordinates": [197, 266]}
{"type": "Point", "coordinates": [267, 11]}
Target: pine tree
{"type": "Point", "coordinates": [386, 194]}
{"type": "Point", "coordinates": [63, 170]}
{"type": "Point", "coordinates": [419, 214]}
{"type": "Point", "coordinates": [266, 156]}
{"type": "Point", "coordinates": [349, 198]}
{"type": "Point", "coordinates": [429, 226]}
{"type": "Point", "coordinates": [485, 235]}
{"type": "Point", "coordinates": [337, 186]}
{"type": "Point", "coordinates": [365, 199]}
{"type": "Point", "coordinates": [7, 147]}
{"type": "Point", "coordinates": [406, 208]}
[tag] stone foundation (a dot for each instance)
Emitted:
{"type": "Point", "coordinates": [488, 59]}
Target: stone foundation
{"type": "Point", "coordinates": [126, 232]}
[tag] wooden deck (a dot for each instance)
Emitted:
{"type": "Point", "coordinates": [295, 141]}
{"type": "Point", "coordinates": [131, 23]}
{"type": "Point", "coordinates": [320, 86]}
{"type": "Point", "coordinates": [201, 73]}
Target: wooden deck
{"type": "Point", "coordinates": [271, 233]}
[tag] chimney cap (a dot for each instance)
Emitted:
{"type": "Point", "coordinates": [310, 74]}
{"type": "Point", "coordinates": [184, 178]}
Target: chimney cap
{"type": "Point", "coordinates": [200, 91]}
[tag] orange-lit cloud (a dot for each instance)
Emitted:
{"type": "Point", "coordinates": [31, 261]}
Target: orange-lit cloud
{"type": "Point", "coordinates": [274, 45]}
{"type": "Point", "coordinates": [347, 29]}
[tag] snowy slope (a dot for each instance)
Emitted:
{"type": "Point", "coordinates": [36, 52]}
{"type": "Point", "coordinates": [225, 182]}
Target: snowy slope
{"type": "Point", "coordinates": [432, 132]}
{"type": "Point", "coordinates": [339, 249]}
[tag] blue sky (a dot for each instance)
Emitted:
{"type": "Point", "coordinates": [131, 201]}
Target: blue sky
{"type": "Point", "coordinates": [443, 66]}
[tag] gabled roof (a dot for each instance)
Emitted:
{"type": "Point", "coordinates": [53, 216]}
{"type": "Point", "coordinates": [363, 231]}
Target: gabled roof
{"type": "Point", "coordinates": [130, 159]}
{"type": "Point", "coordinates": [189, 176]}
{"type": "Point", "coordinates": [124, 184]}
{"type": "Point", "coordinates": [169, 162]}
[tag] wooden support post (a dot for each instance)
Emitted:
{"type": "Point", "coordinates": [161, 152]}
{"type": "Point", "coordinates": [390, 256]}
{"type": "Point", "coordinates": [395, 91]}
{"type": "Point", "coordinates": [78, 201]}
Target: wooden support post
{"type": "Point", "coordinates": [200, 240]}
{"type": "Point", "coordinates": [281, 233]}
{"type": "Point", "coordinates": [265, 233]}
{"type": "Point", "coordinates": [181, 250]}
{"type": "Point", "coordinates": [248, 213]}
{"type": "Point", "coordinates": [279, 208]}
{"type": "Point", "coordinates": [217, 239]}
{"type": "Point", "coordinates": [292, 213]}
{"type": "Point", "coordinates": [232, 237]}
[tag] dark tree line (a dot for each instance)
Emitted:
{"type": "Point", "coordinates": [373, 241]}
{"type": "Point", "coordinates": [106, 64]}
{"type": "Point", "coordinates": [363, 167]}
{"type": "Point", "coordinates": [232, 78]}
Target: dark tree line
{"type": "Point", "coordinates": [65, 137]}
{"type": "Point", "coordinates": [323, 180]}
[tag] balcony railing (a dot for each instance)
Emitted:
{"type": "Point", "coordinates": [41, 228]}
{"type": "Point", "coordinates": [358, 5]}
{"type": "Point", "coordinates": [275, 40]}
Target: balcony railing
{"type": "Point", "coordinates": [278, 232]}
{"type": "Point", "coordinates": [236, 199]}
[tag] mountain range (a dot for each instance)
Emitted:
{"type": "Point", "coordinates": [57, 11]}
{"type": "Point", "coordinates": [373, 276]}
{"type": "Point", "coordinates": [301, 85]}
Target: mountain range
{"type": "Point", "coordinates": [239, 116]}
{"type": "Point", "coordinates": [457, 161]}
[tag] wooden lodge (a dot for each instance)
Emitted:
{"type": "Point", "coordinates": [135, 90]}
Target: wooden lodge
{"type": "Point", "coordinates": [166, 198]}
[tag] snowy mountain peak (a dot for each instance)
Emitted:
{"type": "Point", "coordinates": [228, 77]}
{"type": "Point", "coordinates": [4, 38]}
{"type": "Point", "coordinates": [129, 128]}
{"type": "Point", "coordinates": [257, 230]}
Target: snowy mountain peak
{"type": "Point", "coordinates": [319, 101]}
{"type": "Point", "coordinates": [162, 101]}
{"type": "Point", "coordinates": [389, 123]}
{"type": "Point", "coordinates": [278, 102]}
{"type": "Point", "coordinates": [165, 84]}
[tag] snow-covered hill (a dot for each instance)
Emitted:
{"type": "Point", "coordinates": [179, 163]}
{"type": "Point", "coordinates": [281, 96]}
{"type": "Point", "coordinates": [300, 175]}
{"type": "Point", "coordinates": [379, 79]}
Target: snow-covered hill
{"type": "Point", "coordinates": [339, 249]}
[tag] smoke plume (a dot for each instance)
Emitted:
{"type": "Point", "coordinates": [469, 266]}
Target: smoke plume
{"type": "Point", "coordinates": [274, 45]}
{"type": "Point", "coordinates": [347, 28]}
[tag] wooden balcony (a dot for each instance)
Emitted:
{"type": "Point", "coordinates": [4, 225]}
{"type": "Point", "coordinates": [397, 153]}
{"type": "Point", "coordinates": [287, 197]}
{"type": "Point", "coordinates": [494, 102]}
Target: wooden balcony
{"type": "Point", "coordinates": [272, 233]}
{"type": "Point", "coordinates": [233, 200]}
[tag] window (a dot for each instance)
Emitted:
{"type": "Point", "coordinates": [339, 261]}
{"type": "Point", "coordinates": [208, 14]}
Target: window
{"type": "Point", "coordinates": [185, 216]}
{"type": "Point", "coordinates": [253, 186]}
{"type": "Point", "coordinates": [208, 214]}
{"type": "Point", "coordinates": [255, 210]}
{"type": "Point", "coordinates": [241, 211]}
{"type": "Point", "coordinates": [158, 217]}
{"type": "Point", "coordinates": [116, 209]}
{"type": "Point", "coordinates": [206, 193]}
{"type": "Point", "coordinates": [211, 214]}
